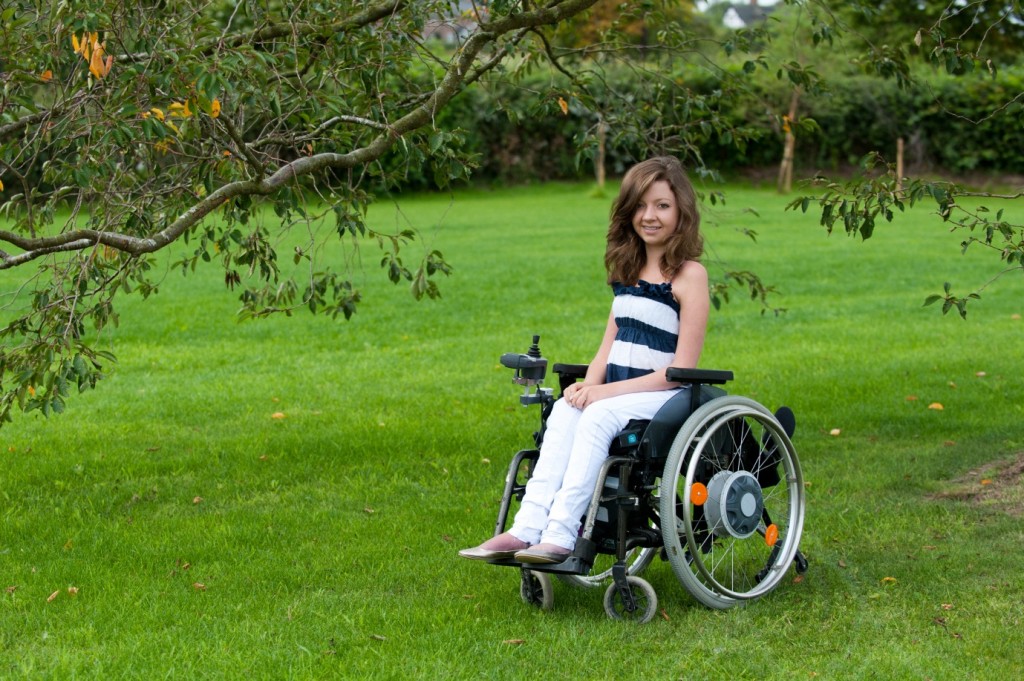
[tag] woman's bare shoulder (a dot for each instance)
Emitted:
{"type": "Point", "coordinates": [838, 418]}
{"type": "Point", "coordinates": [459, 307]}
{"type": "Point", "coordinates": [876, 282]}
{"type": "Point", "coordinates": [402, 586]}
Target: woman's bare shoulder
{"type": "Point", "coordinates": [692, 273]}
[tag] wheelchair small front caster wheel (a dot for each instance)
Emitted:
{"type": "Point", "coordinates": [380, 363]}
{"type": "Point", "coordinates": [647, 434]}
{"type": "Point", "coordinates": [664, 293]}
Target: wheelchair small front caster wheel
{"type": "Point", "coordinates": [535, 589]}
{"type": "Point", "coordinates": [638, 603]}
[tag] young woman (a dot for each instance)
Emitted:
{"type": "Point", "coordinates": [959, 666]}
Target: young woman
{"type": "Point", "coordinates": [658, 319]}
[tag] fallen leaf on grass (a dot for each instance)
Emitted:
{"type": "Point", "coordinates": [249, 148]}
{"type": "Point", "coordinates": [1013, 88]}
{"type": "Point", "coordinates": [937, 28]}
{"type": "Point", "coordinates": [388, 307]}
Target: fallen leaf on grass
{"type": "Point", "coordinates": [986, 481]}
{"type": "Point", "coordinates": [798, 579]}
{"type": "Point", "coordinates": [199, 586]}
{"type": "Point", "coordinates": [937, 406]}
{"type": "Point", "coordinates": [980, 374]}
{"type": "Point", "coordinates": [888, 580]}
{"type": "Point", "coordinates": [911, 398]}
{"type": "Point", "coordinates": [947, 606]}
{"type": "Point", "coordinates": [277, 415]}
{"type": "Point", "coordinates": [514, 641]}
{"type": "Point", "coordinates": [378, 637]}
{"type": "Point", "coordinates": [52, 596]}
{"type": "Point", "coordinates": [11, 589]}
{"type": "Point", "coordinates": [834, 432]}
{"type": "Point", "coordinates": [664, 615]}
{"type": "Point", "coordinates": [73, 590]}
{"type": "Point", "coordinates": [842, 563]}
{"type": "Point", "coordinates": [368, 511]}
{"type": "Point", "coordinates": [197, 500]}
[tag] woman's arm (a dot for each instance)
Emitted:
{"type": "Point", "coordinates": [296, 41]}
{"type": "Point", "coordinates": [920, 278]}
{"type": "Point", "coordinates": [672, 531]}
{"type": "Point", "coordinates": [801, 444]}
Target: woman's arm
{"type": "Point", "coordinates": [598, 366]}
{"type": "Point", "coordinates": [690, 289]}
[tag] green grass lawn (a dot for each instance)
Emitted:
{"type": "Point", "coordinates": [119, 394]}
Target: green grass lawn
{"type": "Point", "coordinates": [285, 498]}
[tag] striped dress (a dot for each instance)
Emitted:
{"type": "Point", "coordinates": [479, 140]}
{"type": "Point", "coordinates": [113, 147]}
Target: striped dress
{"type": "Point", "coordinates": [648, 319]}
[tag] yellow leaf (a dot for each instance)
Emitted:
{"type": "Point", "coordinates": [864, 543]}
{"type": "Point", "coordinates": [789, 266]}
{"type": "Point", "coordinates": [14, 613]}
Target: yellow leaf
{"type": "Point", "coordinates": [834, 432]}
{"type": "Point", "coordinates": [159, 113]}
{"type": "Point", "coordinates": [52, 596]}
{"type": "Point", "coordinates": [97, 66]}
{"type": "Point", "coordinates": [46, 76]}
{"type": "Point", "coordinates": [888, 580]}
{"type": "Point", "coordinates": [73, 590]}
{"type": "Point", "coordinates": [277, 415]}
{"type": "Point", "coordinates": [564, 106]}
{"type": "Point", "coordinates": [215, 108]}
{"type": "Point", "coordinates": [1, 185]}
{"type": "Point", "coordinates": [199, 586]}
{"type": "Point", "coordinates": [936, 406]}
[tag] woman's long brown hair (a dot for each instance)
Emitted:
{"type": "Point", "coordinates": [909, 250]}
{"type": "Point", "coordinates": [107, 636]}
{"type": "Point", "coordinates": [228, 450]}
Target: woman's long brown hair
{"type": "Point", "coordinates": [625, 256]}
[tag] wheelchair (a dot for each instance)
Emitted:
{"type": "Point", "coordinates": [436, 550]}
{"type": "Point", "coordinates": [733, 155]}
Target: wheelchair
{"type": "Point", "coordinates": [710, 484]}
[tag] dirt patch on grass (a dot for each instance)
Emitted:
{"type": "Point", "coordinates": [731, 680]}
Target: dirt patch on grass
{"type": "Point", "coordinates": [995, 486]}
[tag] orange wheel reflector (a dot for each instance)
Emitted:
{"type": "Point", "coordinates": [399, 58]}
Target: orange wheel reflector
{"type": "Point", "coordinates": [698, 494]}
{"type": "Point", "coordinates": [771, 535]}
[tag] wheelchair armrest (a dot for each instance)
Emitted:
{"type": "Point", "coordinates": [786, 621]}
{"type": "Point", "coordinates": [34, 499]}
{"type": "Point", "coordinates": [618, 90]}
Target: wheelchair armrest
{"type": "Point", "coordinates": [572, 370]}
{"type": "Point", "coordinates": [569, 374]}
{"type": "Point", "coordinates": [697, 376]}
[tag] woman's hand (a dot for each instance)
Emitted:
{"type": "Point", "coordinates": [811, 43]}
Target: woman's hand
{"type": "Point", "coordinates": [580, 395]}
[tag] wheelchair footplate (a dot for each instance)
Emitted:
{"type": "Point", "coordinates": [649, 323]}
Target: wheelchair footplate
{"type": "Point", "coordinates": [579, 562]}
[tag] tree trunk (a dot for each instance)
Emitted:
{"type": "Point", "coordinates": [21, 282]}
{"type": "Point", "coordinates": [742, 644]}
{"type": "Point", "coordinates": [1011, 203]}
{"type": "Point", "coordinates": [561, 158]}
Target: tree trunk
{"type": "Point", "coordinates": [785, 183]}
{"type": "Point", "coordinates": [899, 165]}
{"type": "Point", "coordinates": [602, 134]}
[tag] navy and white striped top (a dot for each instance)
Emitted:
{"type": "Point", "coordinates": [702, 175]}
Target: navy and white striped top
{"type": "Point", "coordinates": [648, 319]}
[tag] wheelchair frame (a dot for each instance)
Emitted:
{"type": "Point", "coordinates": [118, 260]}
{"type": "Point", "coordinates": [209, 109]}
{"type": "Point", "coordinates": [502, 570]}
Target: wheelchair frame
{"type": "Point", "coordinates": [721, 454]}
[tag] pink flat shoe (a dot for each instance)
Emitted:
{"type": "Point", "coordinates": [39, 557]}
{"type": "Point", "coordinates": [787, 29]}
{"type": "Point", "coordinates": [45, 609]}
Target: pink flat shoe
{"type": "Point", "coordinates": [543, 554]}
{"type": "Point", "coordinates": [495, 548]}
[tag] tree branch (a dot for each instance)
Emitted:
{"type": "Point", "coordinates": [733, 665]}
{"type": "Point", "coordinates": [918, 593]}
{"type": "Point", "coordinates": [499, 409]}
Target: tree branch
{"type": "Point", "coordinates": [461, 71]}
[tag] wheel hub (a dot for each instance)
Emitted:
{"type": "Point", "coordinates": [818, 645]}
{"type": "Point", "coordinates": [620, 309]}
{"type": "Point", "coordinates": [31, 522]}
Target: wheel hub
{"type": "Point", "coordinates": [734, 504]}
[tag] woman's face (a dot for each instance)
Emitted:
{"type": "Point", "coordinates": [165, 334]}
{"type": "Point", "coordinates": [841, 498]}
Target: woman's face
{"type": "Point", "coordinates": [657, 214]}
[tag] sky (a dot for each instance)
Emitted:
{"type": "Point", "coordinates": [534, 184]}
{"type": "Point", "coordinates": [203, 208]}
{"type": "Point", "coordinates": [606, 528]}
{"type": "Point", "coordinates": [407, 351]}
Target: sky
{"type": "Point", "coordinates": [703, 4]}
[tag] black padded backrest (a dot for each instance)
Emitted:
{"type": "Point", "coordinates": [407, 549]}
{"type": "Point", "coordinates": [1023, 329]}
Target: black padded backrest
{"type": "Point", "coordinates": [662, 429]}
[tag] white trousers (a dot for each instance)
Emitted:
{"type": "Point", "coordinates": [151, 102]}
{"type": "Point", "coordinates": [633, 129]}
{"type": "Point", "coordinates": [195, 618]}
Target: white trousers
{"type": "Point", "coordinates": [575, 445]}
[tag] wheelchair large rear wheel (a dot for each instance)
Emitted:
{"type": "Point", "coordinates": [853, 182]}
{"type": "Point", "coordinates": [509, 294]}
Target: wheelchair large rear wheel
{"type": "Point", "coordinates": [732, 502]}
